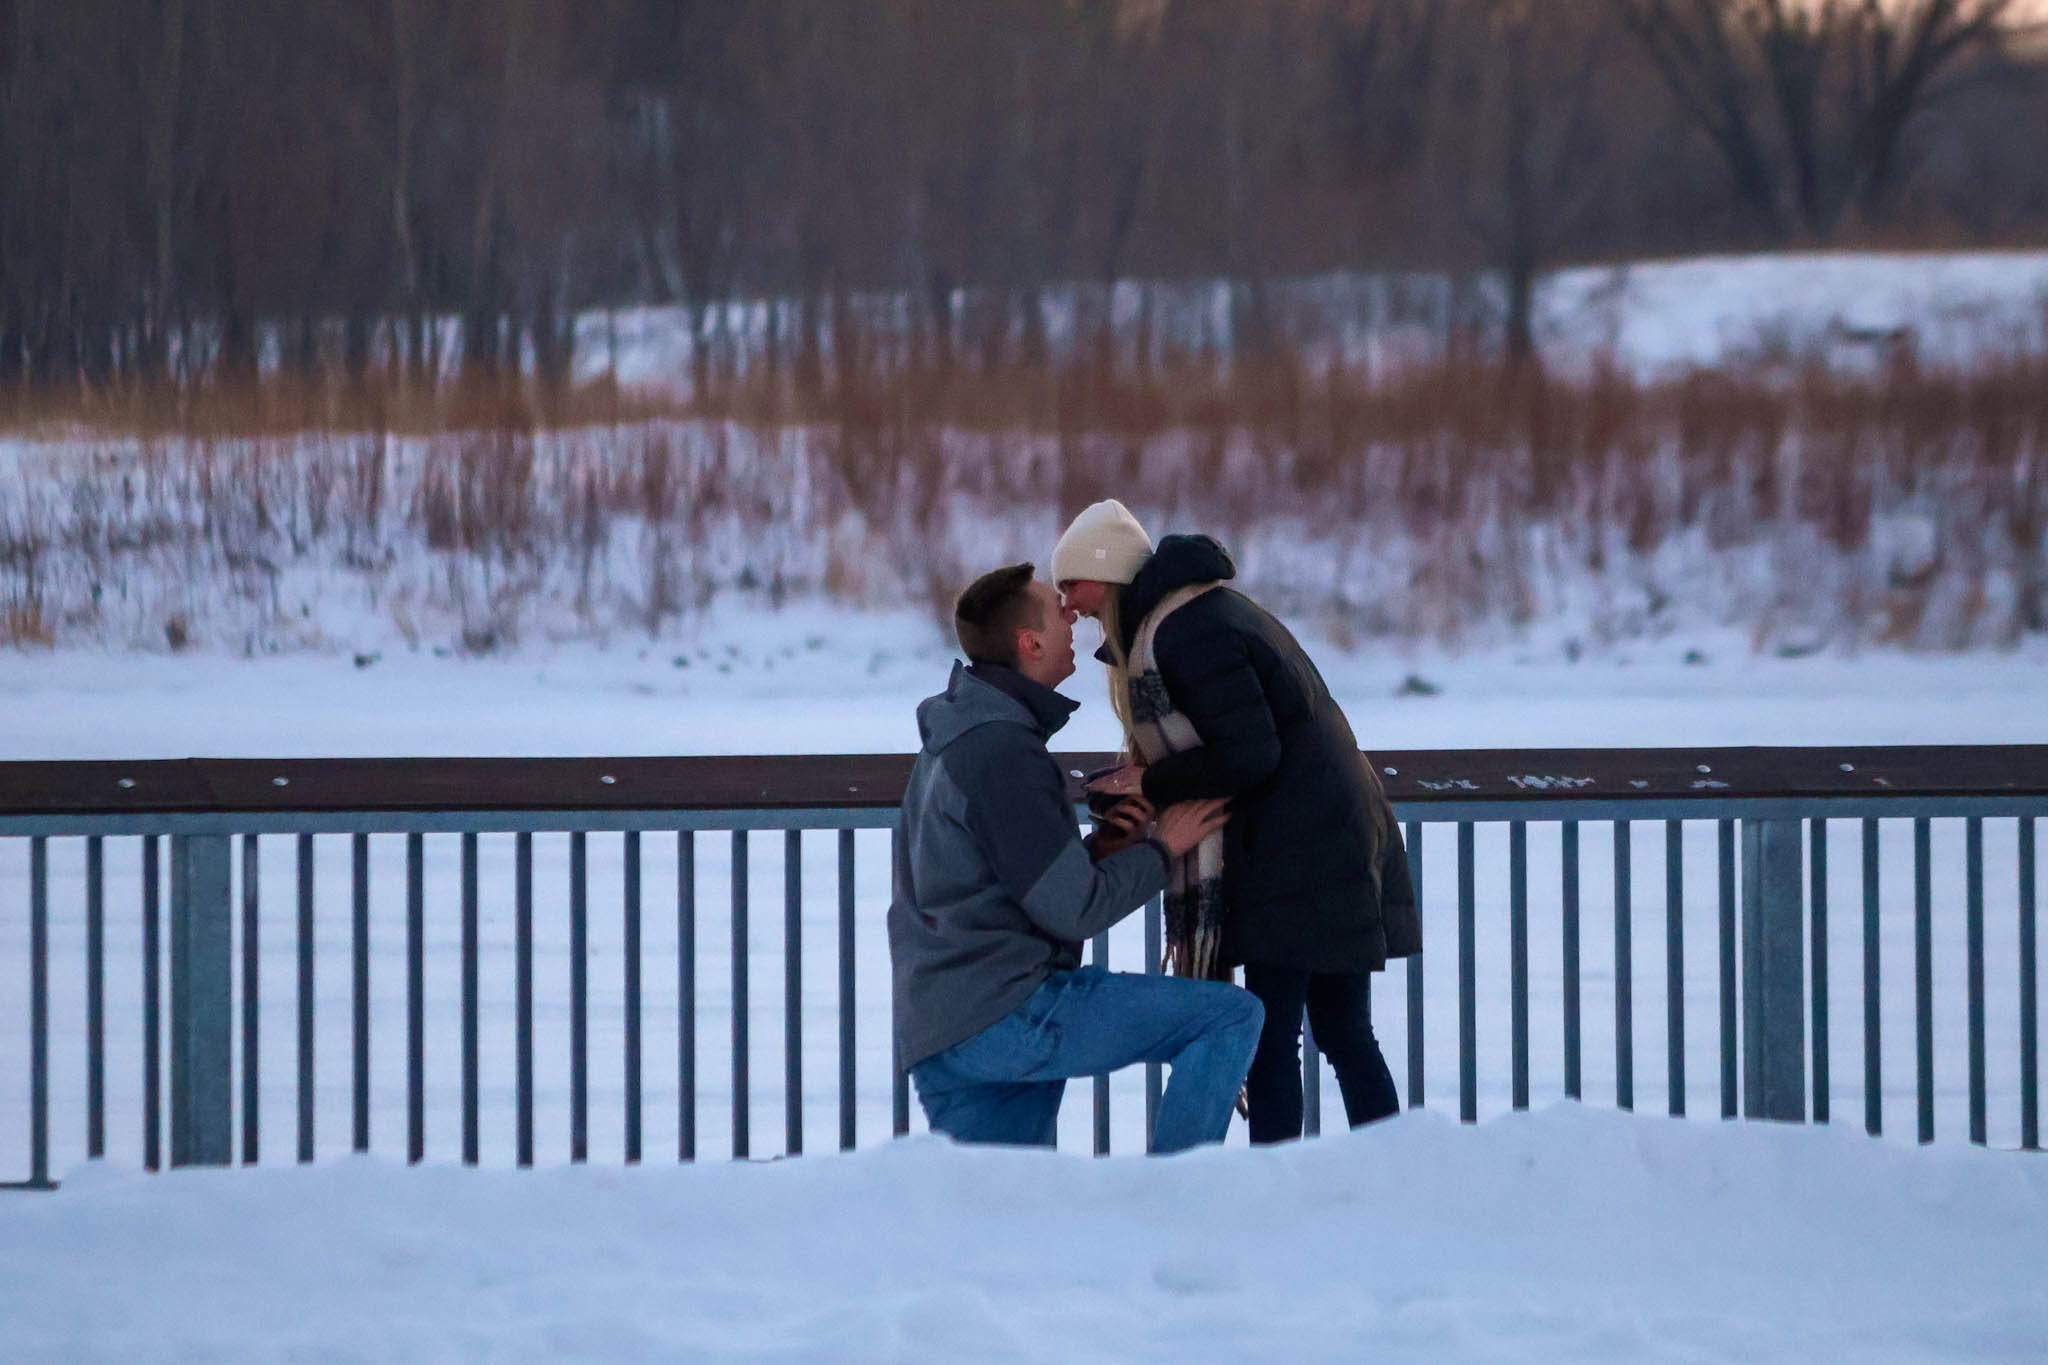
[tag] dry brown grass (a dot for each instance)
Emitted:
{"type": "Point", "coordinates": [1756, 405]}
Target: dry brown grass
{"type": "Point", "coordinates": [1803, 474]}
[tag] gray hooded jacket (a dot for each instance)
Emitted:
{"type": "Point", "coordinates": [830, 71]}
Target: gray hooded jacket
{"type": "Point", "coordinates": [993, 888]}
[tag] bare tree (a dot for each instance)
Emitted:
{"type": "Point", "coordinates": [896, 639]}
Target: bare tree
{"type": "Point", "coordinates": [1532, 162]}
{"type": "Point", "coordinates": [1808, 102]}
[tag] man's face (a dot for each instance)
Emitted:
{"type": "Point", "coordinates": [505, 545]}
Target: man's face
{"type": "Point", "coordinates": [1047, 653]}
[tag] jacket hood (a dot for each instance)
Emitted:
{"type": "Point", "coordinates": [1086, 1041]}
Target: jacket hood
{"type": "Point", "coordinates": [969, 702]}
{"type": "Point", "coordinates": [1177, 562]}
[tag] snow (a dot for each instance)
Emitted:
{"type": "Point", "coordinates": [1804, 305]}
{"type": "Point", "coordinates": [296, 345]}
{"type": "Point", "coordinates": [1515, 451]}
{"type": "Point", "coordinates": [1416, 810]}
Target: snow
{"type": "Point", "coordinates": [816, 677]}
{"type": "Point", "coordinates": [1653, 318]}
{"type": "Point", "coordinates": [1565, 1234]}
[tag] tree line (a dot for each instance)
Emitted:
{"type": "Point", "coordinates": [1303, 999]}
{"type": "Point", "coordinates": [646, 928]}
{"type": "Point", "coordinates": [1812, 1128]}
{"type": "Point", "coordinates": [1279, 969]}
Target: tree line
{"type": "Point", "coordinates": [196, 192]}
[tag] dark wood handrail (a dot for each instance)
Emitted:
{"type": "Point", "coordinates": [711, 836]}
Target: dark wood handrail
{"type": "Point", "coordinates": [868, 781]}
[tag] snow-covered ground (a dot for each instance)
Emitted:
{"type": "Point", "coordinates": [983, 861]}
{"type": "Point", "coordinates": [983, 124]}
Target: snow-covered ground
{"type": "Point", "coordinates": [1568, 1234]}
{"type": "Point", "coordinates": [818, 678]}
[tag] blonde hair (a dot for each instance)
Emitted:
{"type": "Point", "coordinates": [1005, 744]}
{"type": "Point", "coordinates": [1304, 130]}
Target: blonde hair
{"type": "Point", "coordinates": [1110, 616]}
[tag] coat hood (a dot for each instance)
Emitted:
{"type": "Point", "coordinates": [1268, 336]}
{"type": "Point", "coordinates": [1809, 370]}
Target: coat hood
{"type": "Point", "coordinates": [970, 701]}
{"type": "Point", "coordinates": [1177, 562]}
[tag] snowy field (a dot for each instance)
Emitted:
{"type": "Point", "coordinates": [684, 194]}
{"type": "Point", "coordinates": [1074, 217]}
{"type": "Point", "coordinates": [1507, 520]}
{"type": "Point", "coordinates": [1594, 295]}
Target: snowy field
{"type": "Point", "coordinates": [1570, 1233]}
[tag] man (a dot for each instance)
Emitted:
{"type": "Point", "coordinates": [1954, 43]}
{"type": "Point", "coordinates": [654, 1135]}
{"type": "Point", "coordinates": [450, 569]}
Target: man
{"type": "Point", "coordinates": [995, 892]}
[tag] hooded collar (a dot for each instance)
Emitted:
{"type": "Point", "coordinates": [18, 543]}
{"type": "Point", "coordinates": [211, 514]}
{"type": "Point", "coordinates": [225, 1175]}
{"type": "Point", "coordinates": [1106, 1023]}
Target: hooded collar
{"type": "Point", "coordinates": [979, 695]}
{"type": "Point", "coordinates": [1049, 710]}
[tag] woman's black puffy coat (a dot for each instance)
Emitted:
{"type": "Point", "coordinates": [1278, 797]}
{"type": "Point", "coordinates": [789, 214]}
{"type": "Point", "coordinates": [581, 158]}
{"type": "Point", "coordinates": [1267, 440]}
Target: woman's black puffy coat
{"type": "Point", "coordinates": [1314, 873]}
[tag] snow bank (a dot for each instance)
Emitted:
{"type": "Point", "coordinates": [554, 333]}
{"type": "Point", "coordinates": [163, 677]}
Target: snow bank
{"type": "Point", "coordinates": [1568, 1233]}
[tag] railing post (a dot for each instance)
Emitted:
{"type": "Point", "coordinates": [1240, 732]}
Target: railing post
{"type": "Point", "coordinates": [202, 969]}
{"type": "Point", "coordinates": [1773, 971]}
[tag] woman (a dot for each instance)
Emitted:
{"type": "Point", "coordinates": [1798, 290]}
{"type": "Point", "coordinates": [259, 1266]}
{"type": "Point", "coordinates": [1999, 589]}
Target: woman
{"type": "Point", "coordinates": [1307, 887]}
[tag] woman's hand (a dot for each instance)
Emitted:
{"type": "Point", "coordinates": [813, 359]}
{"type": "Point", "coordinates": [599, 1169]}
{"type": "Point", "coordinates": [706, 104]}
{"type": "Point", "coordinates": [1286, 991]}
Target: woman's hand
{"type": "Point", "coordinates": [1187, 823]}
{"type": "Point", "coordinates": [1126, 823]}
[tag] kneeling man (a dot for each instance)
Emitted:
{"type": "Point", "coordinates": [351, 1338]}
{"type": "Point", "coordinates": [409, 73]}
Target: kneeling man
{"type": "Point", "coordinates": [995, 892]}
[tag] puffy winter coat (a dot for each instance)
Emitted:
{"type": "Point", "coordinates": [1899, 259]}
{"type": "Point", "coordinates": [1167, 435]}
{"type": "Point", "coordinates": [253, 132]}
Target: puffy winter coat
{"type": "Point", "coordinates": [1314, 873]}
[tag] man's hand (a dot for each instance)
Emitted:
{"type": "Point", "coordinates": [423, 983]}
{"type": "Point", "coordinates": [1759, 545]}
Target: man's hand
{"type": "Point", "coordinates": [1122, 825]}
{"type": "Point", "coordinates": [1187, 823]}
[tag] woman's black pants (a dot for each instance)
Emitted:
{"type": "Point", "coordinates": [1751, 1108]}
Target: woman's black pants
{"type": "Point", "coordinates": [1339, 1009]}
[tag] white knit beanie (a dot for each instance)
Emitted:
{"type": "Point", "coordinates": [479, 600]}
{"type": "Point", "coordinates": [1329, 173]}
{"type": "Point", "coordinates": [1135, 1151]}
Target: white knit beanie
{"type": "Point", "coordinates": [1105, 544]}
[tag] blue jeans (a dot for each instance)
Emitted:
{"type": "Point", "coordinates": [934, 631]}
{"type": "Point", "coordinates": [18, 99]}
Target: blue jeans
{"type": "Point", "coordinates": [1005, 1083]}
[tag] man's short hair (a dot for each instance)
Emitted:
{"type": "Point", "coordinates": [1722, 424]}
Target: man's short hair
{"type": "Point", "coordinates": [992, 610]}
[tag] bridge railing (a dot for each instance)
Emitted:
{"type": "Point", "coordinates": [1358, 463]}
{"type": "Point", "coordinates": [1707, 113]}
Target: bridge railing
{"type": "Point", "coordinates": [445, 944]}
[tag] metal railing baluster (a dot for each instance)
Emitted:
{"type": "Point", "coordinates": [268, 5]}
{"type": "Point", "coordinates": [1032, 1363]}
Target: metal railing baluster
{"type": "Point", "coordinates": [1973, 936]}
{"type": "Point", "coordinates": [202, 1121]}
{"type": "Point", "coordinates": [472, 1128]}
{"type": "Point", "coordinates": [152, 1006]}
{"type": "Point", "coordinates": [1468, 972]}
{"type": "Point", "coordinates": [1415, 1015]}
{"type": "Point", "coordinates": [251, 1002]}
{"type": "Point", "coordinates": [522, 1023]}
{"type": "Point", "coordinates": [415, 998]}
{"type": "Point", "coordinates": [1153, 1071]}
{"type": "Point", "coordinates": [1674, 964]}
{"type": "Point", "coordinates": [848, 1091]}
{"type": "Point", "coordinates": [1098, 954]}
{"type": "Point", "coordinates": [630, 851]}
{"type": "Point", "coordinates": [1923, 971]}
{"type": "Point", "coordinates": [2030, 1053]}
{"type": "Point", "coordinates": [899, 1079]}
{"type": "Point", "coordinates": [579, 996]}
{"type": "Point", "coordinates": [739, 994]}
{"type": "Point", "coordinates": [1873, 1019]}
{"type": "Point", "coordinates": [1817, 921]}
{"type": "Point", "coordinates": [1569, 892]}
{"type": "Point", "coordinates": [1624, 972]}
{"type": "Point", "coordinates": [360, 947]}
{"type": "Point", "coordinates": [792, 992]}
{"type": "Point", "coordinates": [39, 1012]}
{"type": "Point", "coordinates": [686, 995]}
{"type": "Point", "coordinates": [1774, 1007]}
{"type": "Point", "coordinates": [305, 997]}
{"type": "Point", "coordinates": [95, 997]}
{"type": "Point", "coordinates": [1725, 866]}
{"type": "Point", "coordinates": [1518, 963]}
{"type": "Point", "coordinates": [202, 1124]}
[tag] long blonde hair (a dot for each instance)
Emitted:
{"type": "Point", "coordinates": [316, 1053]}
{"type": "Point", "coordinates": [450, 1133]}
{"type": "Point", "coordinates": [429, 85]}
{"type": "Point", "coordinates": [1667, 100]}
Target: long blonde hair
{"type": "Point", "coordinates": [1110, 616]}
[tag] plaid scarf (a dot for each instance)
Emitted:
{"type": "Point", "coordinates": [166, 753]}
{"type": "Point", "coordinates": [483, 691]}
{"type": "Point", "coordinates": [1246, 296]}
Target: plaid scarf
{"type": "Point", "coordinates": [1194, 882]}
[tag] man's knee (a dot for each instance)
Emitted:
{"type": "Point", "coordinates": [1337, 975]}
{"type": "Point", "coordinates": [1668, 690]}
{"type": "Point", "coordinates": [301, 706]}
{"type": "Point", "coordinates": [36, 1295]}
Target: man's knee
{"type": "Point", "coordinates": [1235, 1009]}
{"type": "Point", "coordinates": [1251, 1011]}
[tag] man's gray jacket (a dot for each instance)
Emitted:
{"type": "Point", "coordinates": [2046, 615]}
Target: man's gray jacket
{"type": "Point", "coordinates": [993, 888]}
